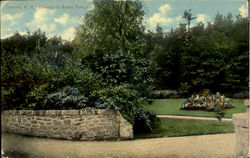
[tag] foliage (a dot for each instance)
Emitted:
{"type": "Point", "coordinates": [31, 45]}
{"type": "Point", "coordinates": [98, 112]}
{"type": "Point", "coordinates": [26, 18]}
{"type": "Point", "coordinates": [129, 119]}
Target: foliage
{"type": "Point", "coordinates": [163, 94]}
{"type": "Point", "coordinates": [188, 15]}
{"type": "Point", "coordinates": [213, 56]}
{"type": "Point", "coordinates": [104, 67]}
{"type": "Point", "coordinates": [119, 68]}
{"type": "Point", "coordinates": [28, 80]}
{"type": "Point", "coordinates": [127, 99]}
{"type": "Point", "coordinates": [123, 97]}
{"type": "Point", "coordinates": [24, 44]}
{"type": "Point", "coordinates": [23, 76]}
{"type": "Point", "coordinates": [111, 43]}
{"type": "Point", "coordinates": [166, 58]}
{"type": "Point", "coordinates": [241, 95]}
{"type": "Point", "coordinates": [207, 102]}
{"type": "Point", "coordinates": [111, 26]}
{"type": "Point", "coordinates": [67, 98]}
{"type": "Point", "coordinates": [145, 121]}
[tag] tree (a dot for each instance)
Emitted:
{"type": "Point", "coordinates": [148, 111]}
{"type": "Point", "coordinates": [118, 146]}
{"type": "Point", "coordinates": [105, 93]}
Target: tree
{"type": "Point", "coordinates": [188, 16]}
{"type": "Point", "coordinates": [112, 25]}
{"type": "Point", "coordinates": [166, 60]}
{"type": "Point", "coordinates": [111, 42]}
{"type": "Point", "coordinates": [21, 44]}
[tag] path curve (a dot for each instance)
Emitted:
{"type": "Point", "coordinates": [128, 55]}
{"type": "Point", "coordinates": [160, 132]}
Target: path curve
{"type": "Point", "coordinates": [198, 118]}
{"type": "Point", "coordinates": [206, 146]}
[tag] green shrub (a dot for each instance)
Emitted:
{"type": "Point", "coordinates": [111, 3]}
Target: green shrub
{"type": "Point", "coordinates": [241, 95]}
{"type": "Point", "coordinates": [67, 98]}
{"type": "Point", "coordinates": [129, 102]}
{"type": "Point", "coordinates": [122, 97]}
{"type": "Point", "coordinates": [162, 94]}
{"type": "Point", "coordinates": [38, 84]}
{"type": "Point", "coordinates": [144, 121]}
{"type": "Point", "coordinates": [22, 79]}
{"type": "Point", "coordinates": [27, 81]}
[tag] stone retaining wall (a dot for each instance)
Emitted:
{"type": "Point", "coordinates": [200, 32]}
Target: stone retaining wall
{"type": "Point", "coordinates": [241, 128]}
{"type": "Point", "coordinates": [85, 124]}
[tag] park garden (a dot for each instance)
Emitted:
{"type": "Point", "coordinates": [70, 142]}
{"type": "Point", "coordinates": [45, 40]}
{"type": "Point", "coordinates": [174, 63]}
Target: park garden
{"type": "Point", "coordinates": [115, 63]}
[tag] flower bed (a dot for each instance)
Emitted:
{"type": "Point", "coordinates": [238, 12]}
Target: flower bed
{"type": "Point", "coordinates": [208, 102]}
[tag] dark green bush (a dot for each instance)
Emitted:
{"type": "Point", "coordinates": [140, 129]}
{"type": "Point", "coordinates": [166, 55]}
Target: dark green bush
{"type": "Point", "coordinates": [67, 98]}
{"type": "Point", "coordinates": [25, 81]}
{"type": "Point", "coordinates": [37, 85]}
{"type": "Point", "coordinates": [144, 121]}
{"type": "Point", "coordinates": [29, 80]}
{"type": "Point", "coordinates": [241, 95]}
{"type": "Point", "coordinates": [123, 97]}
{"type": "Point", "coordinates": [162, 94]}
{"type": "Point", "coordinates": [129, 102]}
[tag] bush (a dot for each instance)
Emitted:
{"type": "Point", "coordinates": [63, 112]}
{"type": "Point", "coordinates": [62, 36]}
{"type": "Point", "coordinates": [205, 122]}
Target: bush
{"type": "Point", "coordinates": [24, 81]}
{"type": "Point", "coordinates": [144, 121]}
{"type": "Point", "coordinates": [67, 98]}
{"type": "Point", "coordinates": [207, 102]}
{"type": "Point", "coordinates": [27, 81]}
{"type": "Point", "coordinates": [241, 95]}
{"type": "Point", "coordinates": [162, 94]}
{"type": "Point", "coordinates": [109, 68]}
{"type": "Point", "coordinates": [129, 102]}
{"type": "Point", "coordinates": [37, 84]}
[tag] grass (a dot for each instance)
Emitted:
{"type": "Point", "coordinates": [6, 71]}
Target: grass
{"type": "Point", "coordinates": [172, 128]}
{"type": "Point", "coordinates": [172, 107]}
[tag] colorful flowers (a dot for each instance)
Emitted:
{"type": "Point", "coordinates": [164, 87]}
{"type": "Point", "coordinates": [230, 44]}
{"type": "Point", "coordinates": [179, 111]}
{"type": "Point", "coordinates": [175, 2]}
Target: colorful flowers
{"type": "Point", "coordinates": [207, 102]}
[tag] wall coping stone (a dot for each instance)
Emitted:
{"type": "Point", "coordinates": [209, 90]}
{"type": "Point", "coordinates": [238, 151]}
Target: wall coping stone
{"type": "Point", "coordinates": [241, 127]}
{"type": "Point", "coordinates": [85, 111]}
{"type": "Point", "coordinates": [241, 120]}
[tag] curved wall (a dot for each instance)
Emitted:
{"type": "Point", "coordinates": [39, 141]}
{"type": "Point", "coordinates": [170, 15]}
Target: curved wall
{"type": "Point", "coordinates": [85, 124]}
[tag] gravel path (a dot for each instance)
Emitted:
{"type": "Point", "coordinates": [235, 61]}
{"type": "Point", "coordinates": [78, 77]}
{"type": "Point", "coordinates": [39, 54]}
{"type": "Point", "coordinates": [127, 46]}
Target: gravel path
{"type": "Point", "coordinates": [175, 117]}
{"type": "Point", "coordinates": [206, 146]}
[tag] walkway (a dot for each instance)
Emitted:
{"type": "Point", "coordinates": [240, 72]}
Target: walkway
{"type": "Point", "coordinates": [207, 146]}
{"type": "Point", "coordinates": [192, 118]}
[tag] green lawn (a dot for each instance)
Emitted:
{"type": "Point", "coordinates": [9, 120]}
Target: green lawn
{"type": "Point", "coordinates": [172, 107]}
{"type": "Point", "coordinates": [171, 128]}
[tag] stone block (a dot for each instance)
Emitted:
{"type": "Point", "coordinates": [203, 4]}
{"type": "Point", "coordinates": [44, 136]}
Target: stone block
{"type": "Point", "coordinates": [70, 112]}
{"type": "Point", "coordinates": [55, 128]}
{"type": "Point", "coordinates": [39, 118]}
{"type": "Point", "coordinates": [241, 127]}
{"type": "Point", "coordinates": [39, 112]}
{"type": "Point", "coordinates": [48, 123]}
{"type": "Point", "coordinates": [41, 123]}
{"type": "Point", "coordinates": [53, 112]}
{"type": "Point", "coordinates": [33, 122]}
{"type": "Point", "coordinates": [109, 112]}
{"type": "Point", "coordinates": [24, 120]}
{"type": "Point", "coordinates": [12, 112]}
{"type": "Point", "coordinates": [241, 120]}
{"type": "Point", "coordinates": [77, 124]}
{"type": "Point", "coordinates": [34, 126]}
{"type": "Point", "coordinates": [126, 129]}
{"type": "Point", "coordinates": [66, 123]}
{"type": "Point", "coordinates": [43, 128]}
{"type": "Point", "coordinates": [57, 123]}
{"type": "Point", "coordinates": [88, 111]}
